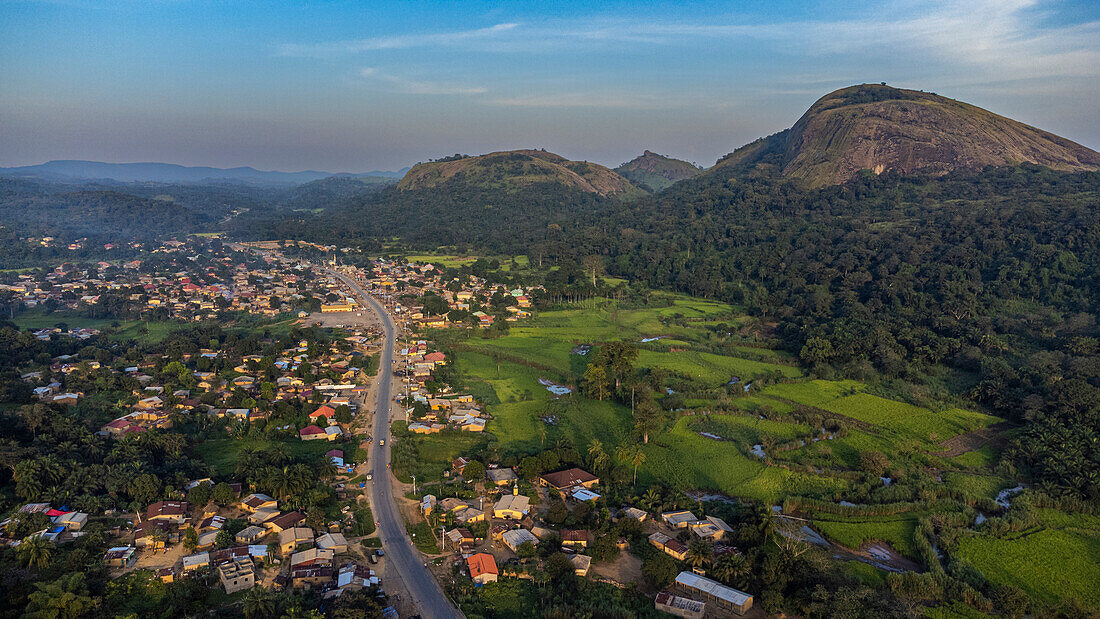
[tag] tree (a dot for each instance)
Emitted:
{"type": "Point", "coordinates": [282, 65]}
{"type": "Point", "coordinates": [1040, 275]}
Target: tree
{"type": "Point", "coordinates": [659, 570]}
{"type": "Point", "coordinates": [731, 568]}
{"type": "Point", "coordinates": [558, 566]}
{"type": "Point", "coordinates": [525, 550]}
{"type": "Point", "coordinates": [200, 494]}
{"type": "Point", "coordinates": [633, 455]}
{"type": "Point", "coordinates": [224, 539]}
{"type": "Point", "coordinates": [65, 598]}
{"type": "Point", "coordinates": [190, 538]}
{"type": "Point", "coordinates": [223, 494]}
{"type": "Point", "coordinates": [343, 414]}
{"type": "Point", "coordinates": [595, 381]}
{"type": "Point", "coordinates": [35, 551]}
{"type": "Point", "coordinates": [474, 471]}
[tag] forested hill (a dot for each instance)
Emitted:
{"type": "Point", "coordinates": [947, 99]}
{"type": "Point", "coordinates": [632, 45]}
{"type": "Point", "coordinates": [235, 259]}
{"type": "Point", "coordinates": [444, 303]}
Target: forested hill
{"type": "Point", "coordinates": [654, 172]}
{"type": "Point", "coordinates": [510, 171]}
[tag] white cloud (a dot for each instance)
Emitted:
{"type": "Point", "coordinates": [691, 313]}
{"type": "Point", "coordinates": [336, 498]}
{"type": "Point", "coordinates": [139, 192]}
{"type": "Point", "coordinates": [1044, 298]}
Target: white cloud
{"type": "Point", "coordinates": [418, 87]}
{"type": "Point", "coordinates": [407, 41]}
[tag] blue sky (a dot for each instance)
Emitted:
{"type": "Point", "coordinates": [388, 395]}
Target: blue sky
{"type": "Point", "coordinates": [355, 86]}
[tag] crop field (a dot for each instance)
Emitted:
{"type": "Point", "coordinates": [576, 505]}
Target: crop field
{"type": "Point", "coordinates": [976, 486]}
{"type": "Point", "coordinates": [1050, 565]}
{"type": "Point", "coordinates": [848, 398]}
{"type": "Point", "coordinates": [710, 368]}
{"type": "Point", "coordinates": [896, 531]}
{"type": "Point", "coordinates": [749, 430]}
{"type": "Point", "coordinates": [683, 458]}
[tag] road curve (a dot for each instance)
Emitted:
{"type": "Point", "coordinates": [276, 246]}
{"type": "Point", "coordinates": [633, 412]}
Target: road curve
{"type": "Point", "coordinates": [429, 598]}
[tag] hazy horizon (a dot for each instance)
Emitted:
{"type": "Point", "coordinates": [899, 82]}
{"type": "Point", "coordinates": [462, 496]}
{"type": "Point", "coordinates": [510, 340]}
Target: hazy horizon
{"type": "Point", "coordinates": [348, 88]}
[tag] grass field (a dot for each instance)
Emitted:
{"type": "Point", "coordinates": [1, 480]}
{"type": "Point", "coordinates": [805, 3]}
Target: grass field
{"type": "Point", "coordinates": [437, 451]}
{"type": "Point", "coordinates": [145, 331]}
{"type": "Point", "coordinates": [896, 531]}
{"type": "Point", "coordinates": [521, 401]}
{"type": "Point", "coordinates": [1050, 565]}
{"type": "Point", "coordinates": [221, 454]}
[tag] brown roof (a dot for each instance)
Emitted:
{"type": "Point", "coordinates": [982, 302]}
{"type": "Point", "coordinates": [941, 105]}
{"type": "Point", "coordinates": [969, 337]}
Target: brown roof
{"type": "Point", "coordinates": [167, 508]}
{"type": "Point", "coordinates": [568, 478]}
{"type": "Point", "coordinates": [287, 520]}
{"type": "Point", "coordinates": [574, 535]}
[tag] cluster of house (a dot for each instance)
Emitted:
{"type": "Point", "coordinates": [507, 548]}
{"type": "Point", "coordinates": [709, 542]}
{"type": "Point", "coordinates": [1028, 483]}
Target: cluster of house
{"type": "Point", "coordinates": [64, 524]}
{"type": "Point", "coordinates": [513, 524]}
{"type": "Point", "coordinates": [185, 288]}
{"type": "Point", "coordinates": [387, 278]}
{"type": "Point", "coordinates": [153, 410]}
{"type": "Point", "coordinates": [308, 557]}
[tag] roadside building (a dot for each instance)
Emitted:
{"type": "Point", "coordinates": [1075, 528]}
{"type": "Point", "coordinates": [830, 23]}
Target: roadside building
{"type": "Point", "coordinates": [483, 568]}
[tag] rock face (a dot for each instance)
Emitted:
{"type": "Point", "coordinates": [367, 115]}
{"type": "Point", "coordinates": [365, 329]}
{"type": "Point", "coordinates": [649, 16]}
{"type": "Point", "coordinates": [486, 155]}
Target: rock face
{"type": "Point", "coordinates": [879, 128]}
{"type": "Point", "coordinates": [514, 169]}
{"type": "Point", "coordinates": [655, 172]}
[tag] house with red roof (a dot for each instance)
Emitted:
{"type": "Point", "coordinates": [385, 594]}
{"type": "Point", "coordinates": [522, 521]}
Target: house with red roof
{"type": "Point", "coordinates": [312, 433]}
{"type": "Point", "coordinates": [325, 411]}
{"type": "Point", "coordinates": [483, 568]}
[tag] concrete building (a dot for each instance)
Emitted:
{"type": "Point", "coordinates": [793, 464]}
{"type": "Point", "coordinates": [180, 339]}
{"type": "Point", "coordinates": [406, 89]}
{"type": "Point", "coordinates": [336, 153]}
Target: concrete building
{"type": "Point", "coordinates": [678, 606]}
{"type": "Point", "coordinates": [237, 575]}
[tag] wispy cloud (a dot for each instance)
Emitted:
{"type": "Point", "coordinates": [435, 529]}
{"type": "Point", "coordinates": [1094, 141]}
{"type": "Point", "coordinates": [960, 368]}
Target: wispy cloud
{"type": "Point", "coordinates": [406, 41]}
{"type": "Point", "coordinates": [405, 85]}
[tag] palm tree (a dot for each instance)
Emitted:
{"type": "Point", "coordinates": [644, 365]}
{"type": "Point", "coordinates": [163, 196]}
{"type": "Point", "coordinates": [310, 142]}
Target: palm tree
{"type": "Point", "coordinates": [700, 553]}
{"type": "Point", "coordinates": [730, 568]}
{"type": "Point", "coordinates": [35, 551]}
{"type": "Point", "coordinates": [651, 500]}
{"type": "Point", "coordinates": [633, 454]}
{"type": "Point", "coordinates": [600, 459]}
{"type": "Point", "coordinates": [258, 603]}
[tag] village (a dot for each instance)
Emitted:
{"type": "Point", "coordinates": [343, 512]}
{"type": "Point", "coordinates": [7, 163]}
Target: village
{"type": "Point", "coordinates": [312, 394]}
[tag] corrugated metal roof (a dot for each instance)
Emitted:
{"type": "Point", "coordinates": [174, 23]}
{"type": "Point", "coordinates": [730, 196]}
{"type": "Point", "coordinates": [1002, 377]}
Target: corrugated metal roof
{"type": "Point", "coordinates": [718, 590]}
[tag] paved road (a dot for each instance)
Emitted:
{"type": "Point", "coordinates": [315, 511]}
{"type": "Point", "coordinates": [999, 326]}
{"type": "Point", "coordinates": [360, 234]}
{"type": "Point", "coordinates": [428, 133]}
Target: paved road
{"type": "Point", "coordinates": [395, 540]}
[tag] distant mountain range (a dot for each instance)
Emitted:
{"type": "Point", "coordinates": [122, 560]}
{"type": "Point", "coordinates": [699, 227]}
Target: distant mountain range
{"type": "Point", "coordinates": [80, 171]}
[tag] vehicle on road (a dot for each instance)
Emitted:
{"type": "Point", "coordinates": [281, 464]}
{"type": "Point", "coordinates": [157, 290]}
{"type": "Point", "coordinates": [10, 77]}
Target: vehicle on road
{"type": "Point", "coordinates": [382, 443]}
{"type": "Point", "coordinates": [370, 476]}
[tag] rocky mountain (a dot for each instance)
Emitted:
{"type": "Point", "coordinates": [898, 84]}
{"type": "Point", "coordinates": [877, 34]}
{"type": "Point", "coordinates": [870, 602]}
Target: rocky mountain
{"type": "Point", "coordinates": [515, 169]}
{"type": "Point", "coordinates": [654, 172]}
{"type": "Point", "coordinates": [876, 127]}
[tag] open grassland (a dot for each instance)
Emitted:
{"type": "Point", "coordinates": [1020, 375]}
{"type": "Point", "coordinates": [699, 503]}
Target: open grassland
{"type": "Point", "coordinates": [852, 532]}
{"type": "Point", "coordinates": [222, 454]}
{"type": "Point", "coordinates": [1050, 565]}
